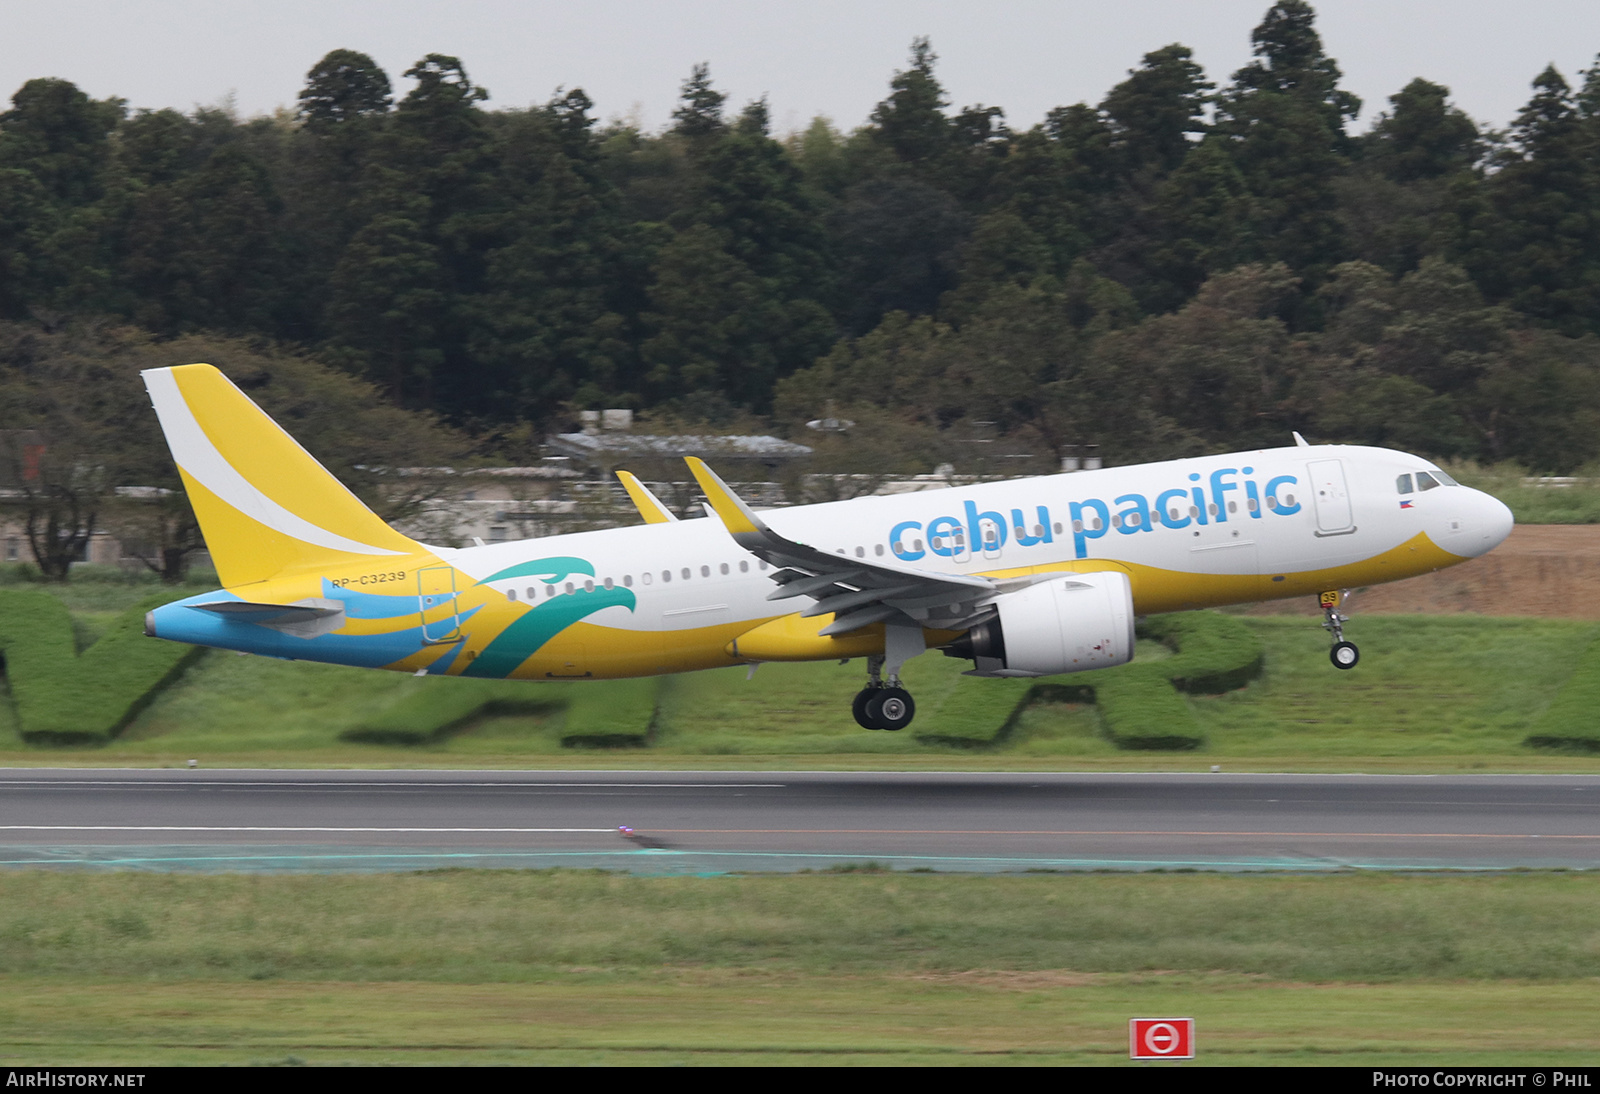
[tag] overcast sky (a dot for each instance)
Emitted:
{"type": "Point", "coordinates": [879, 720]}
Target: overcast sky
{"type": "Point", "coordinates": [831, 57]}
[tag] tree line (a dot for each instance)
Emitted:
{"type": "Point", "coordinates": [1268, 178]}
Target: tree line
{"type": "Point", "coordinates": [1187, 265]}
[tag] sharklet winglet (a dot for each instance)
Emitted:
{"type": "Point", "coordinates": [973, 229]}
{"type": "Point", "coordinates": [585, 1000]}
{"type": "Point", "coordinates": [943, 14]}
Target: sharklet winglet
{"type": "Point", "coordinates": [649, 506]}
{"type": "Point", "coordinates": [736, 516]}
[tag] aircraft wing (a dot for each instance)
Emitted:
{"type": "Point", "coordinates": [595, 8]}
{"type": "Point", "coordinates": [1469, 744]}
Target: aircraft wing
{"type": "Point", "coordinates": [857, 592]}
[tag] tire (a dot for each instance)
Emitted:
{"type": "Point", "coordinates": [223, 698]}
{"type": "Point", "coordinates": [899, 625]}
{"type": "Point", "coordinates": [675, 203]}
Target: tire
{"type": "Point", "coordinates": [891, 708]}
{"type": "Point", "coordinates": [1344, 655]}
{"type": "Point", "coordinates": [858, 707]}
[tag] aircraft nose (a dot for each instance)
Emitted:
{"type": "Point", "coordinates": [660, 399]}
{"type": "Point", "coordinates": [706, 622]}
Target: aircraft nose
{"type": "Point", "coordinates": [1491, 524]}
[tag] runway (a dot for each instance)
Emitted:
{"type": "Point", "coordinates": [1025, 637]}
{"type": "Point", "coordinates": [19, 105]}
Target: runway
{"type": "Point", "coordinates": [713, 822]}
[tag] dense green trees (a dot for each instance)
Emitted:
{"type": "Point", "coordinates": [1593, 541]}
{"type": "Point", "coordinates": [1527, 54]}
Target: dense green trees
{"type": "Point", "coordinates": [1177, 268]}
{"type": "Point", "coordinates": [78, 426]}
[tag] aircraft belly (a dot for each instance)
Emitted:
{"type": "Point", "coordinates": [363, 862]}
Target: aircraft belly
{"type": "Point", "coordinates": [585, 649]}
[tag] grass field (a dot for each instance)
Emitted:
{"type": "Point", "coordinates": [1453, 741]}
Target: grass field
{"type": "Point", "coordinates": [862, 967]}
{"type": "Point", "coordinates": [1436, 693]}
{"type": "Point", "coordinates": [551, 967]}
{"type": "Point", "coordinates": [1431, 693]}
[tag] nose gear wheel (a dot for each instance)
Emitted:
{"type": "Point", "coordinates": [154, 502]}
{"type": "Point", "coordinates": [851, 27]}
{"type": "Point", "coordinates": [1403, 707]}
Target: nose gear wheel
{"type": "Point", "coordinates": [1344, 655]}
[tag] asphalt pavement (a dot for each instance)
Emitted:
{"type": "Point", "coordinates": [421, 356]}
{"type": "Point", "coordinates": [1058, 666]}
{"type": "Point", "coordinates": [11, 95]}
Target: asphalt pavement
{"type": "Point", "coordinates": [709, 822]}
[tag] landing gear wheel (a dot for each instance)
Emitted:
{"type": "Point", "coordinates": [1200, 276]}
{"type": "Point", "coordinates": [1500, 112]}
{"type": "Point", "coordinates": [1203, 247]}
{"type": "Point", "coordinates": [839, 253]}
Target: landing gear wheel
{"type": "Point", "coordinates": [1344, 655]}
{"type": "Point", "coordinates": [859, 708]}
{"type": "Point", "coordinates": [891, 708]}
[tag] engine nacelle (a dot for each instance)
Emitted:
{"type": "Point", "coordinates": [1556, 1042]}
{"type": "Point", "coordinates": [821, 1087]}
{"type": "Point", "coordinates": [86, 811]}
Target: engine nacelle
{"type": "Point", "coordinates": [1066, 624]}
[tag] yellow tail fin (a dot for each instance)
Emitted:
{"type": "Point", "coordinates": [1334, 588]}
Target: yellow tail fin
{"type": "Point", "coordinates": [265, 505]}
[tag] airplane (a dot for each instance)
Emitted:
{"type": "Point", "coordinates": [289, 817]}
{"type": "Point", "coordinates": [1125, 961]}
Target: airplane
{"type": "Point", "coordinates": [1026, 577]}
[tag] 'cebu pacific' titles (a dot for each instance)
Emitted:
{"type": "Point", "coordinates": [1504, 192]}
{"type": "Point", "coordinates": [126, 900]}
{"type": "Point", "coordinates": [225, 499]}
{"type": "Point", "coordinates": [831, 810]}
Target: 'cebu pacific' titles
{"type": "Point", "coordinates": [1029, 577]}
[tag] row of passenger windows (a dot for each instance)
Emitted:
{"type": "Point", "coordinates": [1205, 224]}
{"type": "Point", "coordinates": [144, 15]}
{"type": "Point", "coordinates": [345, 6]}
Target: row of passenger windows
{"type": "Point", "coordinates": [958, 536]}
{"type": "Point", "coordinates": [647, 578]}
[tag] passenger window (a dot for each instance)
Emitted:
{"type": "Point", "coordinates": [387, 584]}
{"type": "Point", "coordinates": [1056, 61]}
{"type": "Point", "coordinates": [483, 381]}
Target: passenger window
{"type": "Point", "coordinates": [916, 545]}
{"type": "Point", "coordinates": [588, 586]}
{"type": "Point", "coordinates": [532, 591]}
{"type": "Point", "coordinates": [1403, 484]}
{"type": "Point", "coordinates": [608, 584]}
{"type": "Point", "coordinates": [511, 594]}
{"type": "Point", "coordinates": [1272, 502]}
{"type": "Point", "coordinates": [687, 573]}
{"type": "Point", "coordinates": [1233, 507]}
{"type": "Point", "coordinates": [705, 571]}
{"type": "Point", "coordinates": [1058, 527]}
{"type": "Point", "coordinates": [1116, 522]}
{"type": "Point", "coordinates": [1426, 481]}
{"type": "Point", "coordinates": [724, 567]}
{"type": "Point", "coordinates": [744, 566]}
{"type": "Point", "coordinates": [627, 581]}
{"type": "Point", "coordinates": [1253, 505]}
{"type": "Point", "coordinates": [861, 552]}
{"type": "Point", "coordinates": [1193, 512]}
{"type": "Point", "coordinates": [762, 565]}
{"type": "Point", "coordinates": [666, 576]}
{"type": "Point", "coordinates": [569, 588]}
{"type": "Point", "coordinates": [1077, 526]}
{"type": "Point", "coordinates": [877, 549]}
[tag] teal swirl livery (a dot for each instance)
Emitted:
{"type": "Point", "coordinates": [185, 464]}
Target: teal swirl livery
{"type": "Point", "coordinates": [525, 636]}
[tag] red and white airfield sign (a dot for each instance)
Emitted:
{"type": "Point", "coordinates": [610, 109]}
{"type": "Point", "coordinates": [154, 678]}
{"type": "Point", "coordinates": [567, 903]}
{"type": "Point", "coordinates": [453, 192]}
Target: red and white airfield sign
{"type": "Point", "coordinates": [1161, 1038]}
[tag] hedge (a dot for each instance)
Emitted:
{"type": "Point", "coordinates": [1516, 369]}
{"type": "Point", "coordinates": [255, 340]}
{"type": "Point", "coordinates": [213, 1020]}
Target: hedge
{"type": "Point", "coordinates": [66, 698]}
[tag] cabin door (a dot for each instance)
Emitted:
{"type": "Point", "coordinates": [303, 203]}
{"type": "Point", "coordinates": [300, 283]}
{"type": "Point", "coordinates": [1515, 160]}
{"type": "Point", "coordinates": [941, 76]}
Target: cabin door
{"type": "Point", "coordinates": [1331, 497]}
{"type": "Point", "coordinates": [437, 605]}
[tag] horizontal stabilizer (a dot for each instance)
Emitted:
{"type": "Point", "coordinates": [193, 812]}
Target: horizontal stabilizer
{"type": "Point", "coordinates": [303, 618]}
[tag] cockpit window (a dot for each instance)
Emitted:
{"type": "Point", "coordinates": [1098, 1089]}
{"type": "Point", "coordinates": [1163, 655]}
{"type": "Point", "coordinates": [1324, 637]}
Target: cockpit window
{"type": "Point", "coordinates": [1445, 480]}
{"type": "Point", "coordinates": [1426, 481]}
{"type": "Point", "coordinates": [1403, 484]}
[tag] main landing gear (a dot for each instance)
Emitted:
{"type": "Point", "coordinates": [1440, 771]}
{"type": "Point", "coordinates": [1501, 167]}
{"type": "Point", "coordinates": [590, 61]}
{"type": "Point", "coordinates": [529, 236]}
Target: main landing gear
{"type": "Point", "coordinates": [1344, 655]}
{"type": "Point", "coordinates": [889, 706]}
{"type": "Point", "coordinates": [880, 706]}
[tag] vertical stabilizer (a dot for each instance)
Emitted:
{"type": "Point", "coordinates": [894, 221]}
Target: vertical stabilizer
{"type": "Point", "coordinates": [265, 506]}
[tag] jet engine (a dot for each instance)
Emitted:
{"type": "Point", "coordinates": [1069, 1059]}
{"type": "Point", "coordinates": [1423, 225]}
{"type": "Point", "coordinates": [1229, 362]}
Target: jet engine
{"type": "Point", "coordinates": [1064, 624]}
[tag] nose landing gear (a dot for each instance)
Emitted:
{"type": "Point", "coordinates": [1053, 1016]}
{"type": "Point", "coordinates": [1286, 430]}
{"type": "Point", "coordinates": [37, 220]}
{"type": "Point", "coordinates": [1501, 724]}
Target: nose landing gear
{"type": "Point", "coordinates": [1344, 655]}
